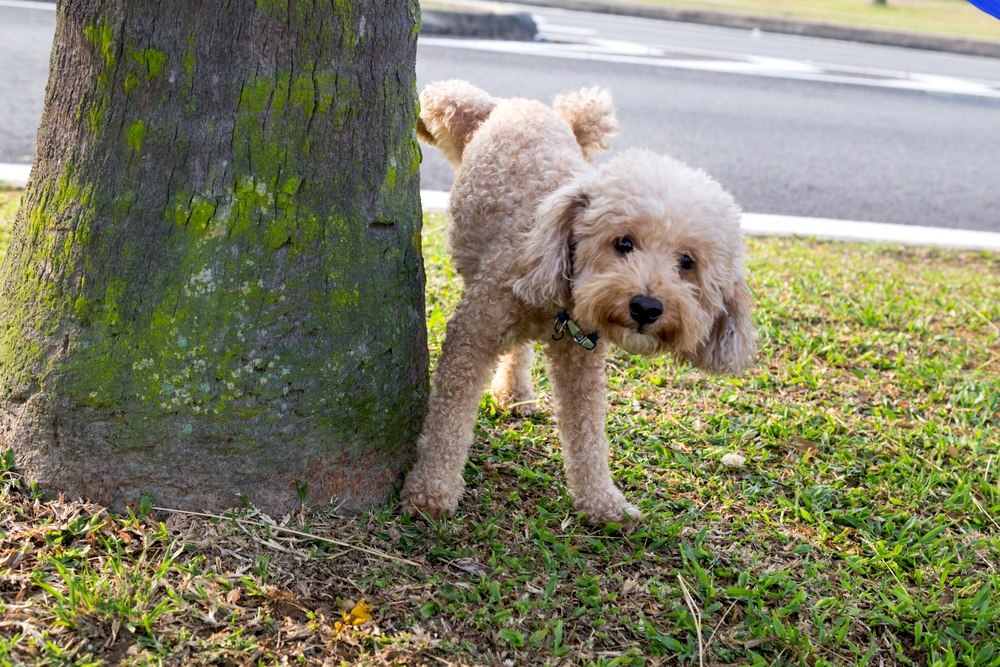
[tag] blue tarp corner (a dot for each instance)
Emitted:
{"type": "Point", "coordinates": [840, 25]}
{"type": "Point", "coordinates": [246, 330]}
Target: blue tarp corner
{"type": "Point", "coordinates": [991, 7]}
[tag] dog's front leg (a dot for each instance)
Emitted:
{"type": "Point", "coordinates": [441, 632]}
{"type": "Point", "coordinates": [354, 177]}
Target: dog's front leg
{"type": "Point", "coordinates": [579, 386]}
{"type": "Point", "coordinates": [472, 344]}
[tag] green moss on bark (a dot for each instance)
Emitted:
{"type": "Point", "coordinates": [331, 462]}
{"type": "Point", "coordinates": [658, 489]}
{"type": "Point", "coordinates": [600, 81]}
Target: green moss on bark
{"type": "Point", "coordinates": [150, 60]}
{"type": "Point", "coordinates": [134, 135]}
{"type": "Point", "coordinates": [250, 290]}
{"type": "Point", "coordinates": [102, 38]}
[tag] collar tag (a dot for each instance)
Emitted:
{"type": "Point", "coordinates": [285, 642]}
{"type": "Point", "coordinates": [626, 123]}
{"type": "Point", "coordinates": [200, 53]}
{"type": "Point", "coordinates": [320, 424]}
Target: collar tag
{"type": "Point", "coordinates": [565, 323]}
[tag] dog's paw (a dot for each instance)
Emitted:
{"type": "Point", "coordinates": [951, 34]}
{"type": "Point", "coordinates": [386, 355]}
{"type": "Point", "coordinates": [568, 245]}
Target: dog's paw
{"type": "Point", "coordinates": [611, 508]}
{"type": "Point", "coordinates": [521, 407]}
{"type": "Point", "coordinates": [514, 399]}
{"type": "Point", "coordinates": [423, 495]}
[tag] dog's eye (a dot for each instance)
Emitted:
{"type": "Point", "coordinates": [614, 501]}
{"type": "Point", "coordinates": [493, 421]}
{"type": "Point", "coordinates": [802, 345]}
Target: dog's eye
{"type": "Point", "coordinates": [624, 245]}
{"type": "Point", "coordinates": [686, 263]}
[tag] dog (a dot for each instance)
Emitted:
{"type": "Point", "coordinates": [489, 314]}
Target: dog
{"type": "Point", "coordinates": [641, 251]}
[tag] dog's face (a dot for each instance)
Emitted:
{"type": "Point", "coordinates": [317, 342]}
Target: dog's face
{"type": "Point", "coordinates": [651, 257]}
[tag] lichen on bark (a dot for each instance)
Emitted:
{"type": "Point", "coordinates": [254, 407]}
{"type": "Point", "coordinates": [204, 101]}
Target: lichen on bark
{"type": "Point", "coordinates": [215, 279]}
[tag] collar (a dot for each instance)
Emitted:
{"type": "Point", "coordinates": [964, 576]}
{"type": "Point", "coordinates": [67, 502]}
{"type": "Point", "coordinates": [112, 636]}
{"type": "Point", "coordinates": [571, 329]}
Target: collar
{"type": "Point", "coordinates": [565, 323]}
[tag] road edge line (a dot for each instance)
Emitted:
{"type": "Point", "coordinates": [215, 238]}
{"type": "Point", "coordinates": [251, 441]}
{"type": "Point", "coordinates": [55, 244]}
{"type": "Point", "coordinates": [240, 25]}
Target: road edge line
{"type": "Point", "coordinates": [754, 224]}
{"type": "Point", "coordinates": [856, 231]}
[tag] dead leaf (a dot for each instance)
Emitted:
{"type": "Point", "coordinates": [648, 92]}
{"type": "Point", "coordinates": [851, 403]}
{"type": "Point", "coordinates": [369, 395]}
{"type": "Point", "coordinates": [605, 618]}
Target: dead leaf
{"type": "Point", "coordinates": [472, 567]}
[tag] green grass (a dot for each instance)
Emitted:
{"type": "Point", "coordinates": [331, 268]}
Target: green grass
{"type": "Point", "coordinates": [862, 529]}
{"type": "Point", "coordinates": [9, 200]}
{"type": "Point", "coordinates": [944, 17]}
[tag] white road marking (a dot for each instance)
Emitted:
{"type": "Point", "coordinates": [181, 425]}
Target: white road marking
{"type": "Point", "coordinates": [763, 224]}
{"type": "Point", "coordinates": [15, 174]}
{"type": "Point", "coordinates": [755, 224]}
{"type": "Point", "coordinates": [729, 63]}
{"type": "Point", "coordinates": [435, 200]}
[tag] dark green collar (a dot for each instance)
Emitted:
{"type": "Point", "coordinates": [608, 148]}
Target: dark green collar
{"type": "Point", "coordinates": [565, 323]}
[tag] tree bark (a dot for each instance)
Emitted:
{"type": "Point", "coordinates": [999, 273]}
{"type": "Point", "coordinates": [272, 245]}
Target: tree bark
{"type": "Point", "coordinates": [214, 286]}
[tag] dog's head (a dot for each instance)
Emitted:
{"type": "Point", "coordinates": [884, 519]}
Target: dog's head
{"type": "Point", "coordinates": [649, 253]}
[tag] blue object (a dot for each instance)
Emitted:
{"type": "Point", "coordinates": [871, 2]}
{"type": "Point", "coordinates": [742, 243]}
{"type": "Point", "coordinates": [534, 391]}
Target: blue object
{"type": "Point", "coordinates": [991, 7]}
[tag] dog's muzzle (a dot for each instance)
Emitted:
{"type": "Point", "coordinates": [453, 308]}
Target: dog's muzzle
{"type": "Point", "coordinates": [645, 310]}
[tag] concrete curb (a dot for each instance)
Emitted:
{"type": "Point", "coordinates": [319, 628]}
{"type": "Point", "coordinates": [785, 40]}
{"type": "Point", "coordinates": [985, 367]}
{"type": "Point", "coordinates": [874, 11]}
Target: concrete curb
{"type": "Point", "coordinates": [848, 231]}
{"type": "Point", "coordinates": [517, 26]}
{"type": "Point", "coordinates": [15, 175]}
{"type": "Point", "coordinates": [854, 231]}
{"type": "Point", "coordinates": [972, 47]}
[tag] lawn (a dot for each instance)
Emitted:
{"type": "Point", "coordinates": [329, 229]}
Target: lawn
{"type": "Point", "coordinates": [9, 199]}
{"type": "Point", "coordinates": [945, 17]}
{"type": "Point", "coordinates": [861, 530]}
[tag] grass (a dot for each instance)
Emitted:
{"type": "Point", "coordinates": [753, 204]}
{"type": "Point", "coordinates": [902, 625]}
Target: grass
{"type": "Point", "coordinates": [9, 200]}
{"type": "Point", "coordinates": [944, 17]}
{"type": "Point", "coordinates": [861, 530]}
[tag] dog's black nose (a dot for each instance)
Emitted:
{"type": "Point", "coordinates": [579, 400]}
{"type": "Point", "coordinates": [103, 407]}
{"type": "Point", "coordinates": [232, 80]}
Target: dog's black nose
{"type": "Point", "coordinates": [645, 309]}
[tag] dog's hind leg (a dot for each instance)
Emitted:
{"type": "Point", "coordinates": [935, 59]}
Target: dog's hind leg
{"type": "Point", "coordinates": [468, 356]}
{"type": "Point", "coordinates": [578, 388]}
{"type": "Point", "coordinates": [513, 387]}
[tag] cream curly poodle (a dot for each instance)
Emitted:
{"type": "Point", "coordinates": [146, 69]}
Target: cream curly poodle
{"type": "Point", "coordinates": [641, 251]}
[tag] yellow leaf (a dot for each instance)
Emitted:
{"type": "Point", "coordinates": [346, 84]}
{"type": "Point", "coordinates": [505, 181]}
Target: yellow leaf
{"type": "Point", "coordinates": [361, 613]}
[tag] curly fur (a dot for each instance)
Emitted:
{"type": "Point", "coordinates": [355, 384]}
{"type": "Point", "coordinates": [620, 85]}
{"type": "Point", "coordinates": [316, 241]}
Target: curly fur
{"type": "Point", "coordinates": [534, 229]}
{"type": "Point", "coordinates": [591, 114]}
{"type": "Point", "coordinates": [450, 113]}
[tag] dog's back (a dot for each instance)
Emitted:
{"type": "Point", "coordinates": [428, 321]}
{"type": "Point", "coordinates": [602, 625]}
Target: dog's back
{"type": "Point", "coordinates": [507, 155]}
{"type": "Point", "coordinates": [452, 111]}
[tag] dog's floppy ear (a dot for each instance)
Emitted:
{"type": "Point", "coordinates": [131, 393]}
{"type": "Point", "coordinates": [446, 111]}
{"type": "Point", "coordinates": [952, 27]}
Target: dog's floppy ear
{"type": "Point", "coordinates": [732, 345]}
{"type": "Point", "coordinates": [545, 265]}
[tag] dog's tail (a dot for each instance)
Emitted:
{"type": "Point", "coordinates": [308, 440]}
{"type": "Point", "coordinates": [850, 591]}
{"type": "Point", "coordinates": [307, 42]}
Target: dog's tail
{"type": "Point", "coordinates": [591, 114]}
{"type": "Point", "coordinates": [450, 113]}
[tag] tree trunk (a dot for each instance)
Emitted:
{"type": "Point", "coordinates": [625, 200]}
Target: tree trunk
{"type": "Point", "coordinates": [214, 287]}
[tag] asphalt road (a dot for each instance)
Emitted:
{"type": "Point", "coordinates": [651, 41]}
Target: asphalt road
{"type": "Point", "coordinates": [724, 40]}
{"type": "Point", "coordinates": [840, 146]}
{"type": "Point", "coordinates": [782, 134]}
{"type": "Point", "coordinates": [780, 146]}
{"type": "Point", "coordinates": [25, 44]}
